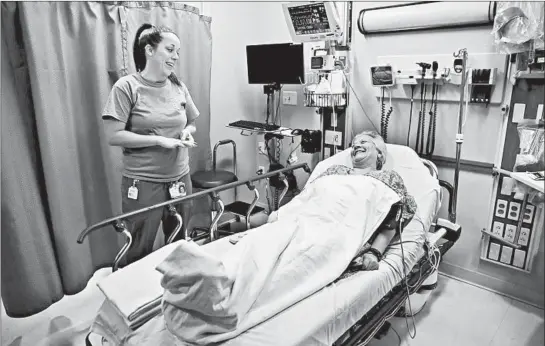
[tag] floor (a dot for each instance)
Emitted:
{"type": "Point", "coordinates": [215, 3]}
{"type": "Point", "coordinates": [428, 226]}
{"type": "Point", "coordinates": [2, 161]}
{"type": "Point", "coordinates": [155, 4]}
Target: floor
{"type": "Point", "coordinates": [456, 314]}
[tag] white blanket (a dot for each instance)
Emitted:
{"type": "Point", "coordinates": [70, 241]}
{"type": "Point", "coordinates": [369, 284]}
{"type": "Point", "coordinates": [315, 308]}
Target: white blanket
{"type": "Point", "coordinates": [210, 299]}
{"type": "Point", "coordinates": [136, 300]}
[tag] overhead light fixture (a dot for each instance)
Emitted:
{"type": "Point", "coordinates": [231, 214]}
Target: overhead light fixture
{"type": "Point", "coordinates": [425, 16]}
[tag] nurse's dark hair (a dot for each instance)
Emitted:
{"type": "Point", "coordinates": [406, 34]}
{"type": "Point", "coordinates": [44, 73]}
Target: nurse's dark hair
{"type": "Point", "coordinates": [152, 35]}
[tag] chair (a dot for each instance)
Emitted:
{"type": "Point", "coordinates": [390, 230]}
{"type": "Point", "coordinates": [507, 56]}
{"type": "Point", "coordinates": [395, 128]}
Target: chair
{"type": "Point", "coordinates": [210, 179]}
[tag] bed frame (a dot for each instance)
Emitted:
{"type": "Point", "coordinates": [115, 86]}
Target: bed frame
{"type": "Point", "coordinates": [376, 318]}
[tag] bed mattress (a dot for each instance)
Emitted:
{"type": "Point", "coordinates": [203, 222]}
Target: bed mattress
{"type": "Point", "coordinates": [323, 317]}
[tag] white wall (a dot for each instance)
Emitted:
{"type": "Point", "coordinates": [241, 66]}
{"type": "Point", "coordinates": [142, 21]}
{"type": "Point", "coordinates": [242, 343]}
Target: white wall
{"type": "Point", "coordinates": [233, 99]}
{"type": "Point", "coordinates": [480, 138]}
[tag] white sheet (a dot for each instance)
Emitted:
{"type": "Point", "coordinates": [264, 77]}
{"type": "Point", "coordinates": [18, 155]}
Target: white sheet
{"type": "Point", "coordinates": [324, 316]}
{"type": "Point", "coordinates": [212, 297]}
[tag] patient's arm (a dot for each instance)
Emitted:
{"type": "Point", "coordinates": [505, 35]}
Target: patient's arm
{"type": "Point", "coordinates": [383, 239]}
{"type": "Point", "coordinates": [381, 242]}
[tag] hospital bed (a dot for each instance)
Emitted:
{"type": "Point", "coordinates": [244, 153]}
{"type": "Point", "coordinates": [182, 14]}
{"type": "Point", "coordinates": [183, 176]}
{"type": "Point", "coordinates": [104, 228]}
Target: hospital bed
{"type": "Point", "coordinates": [348, 311]}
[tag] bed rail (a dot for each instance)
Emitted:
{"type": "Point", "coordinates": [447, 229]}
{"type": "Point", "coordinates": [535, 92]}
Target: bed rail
{"type": "Point", "coordinates": [444, 184]}
{"type": "Point", "coordinates": [119, 225]}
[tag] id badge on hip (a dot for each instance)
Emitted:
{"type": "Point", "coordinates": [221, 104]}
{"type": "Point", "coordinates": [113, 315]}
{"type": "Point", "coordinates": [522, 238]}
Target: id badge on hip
{"type": "Point", "coordinates": [133, 191]}
{"type": "Point", "coordinates": [177, 190]}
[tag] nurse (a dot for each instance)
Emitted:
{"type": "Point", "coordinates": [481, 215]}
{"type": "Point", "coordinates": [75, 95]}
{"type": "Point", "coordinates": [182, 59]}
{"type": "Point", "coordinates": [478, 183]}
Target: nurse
{"type": "Point", "coordinates": [151, 115]}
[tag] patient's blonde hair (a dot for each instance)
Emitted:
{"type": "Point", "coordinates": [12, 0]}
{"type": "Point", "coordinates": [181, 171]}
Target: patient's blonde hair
{"type": "Point", "coordinates": [379, 143]}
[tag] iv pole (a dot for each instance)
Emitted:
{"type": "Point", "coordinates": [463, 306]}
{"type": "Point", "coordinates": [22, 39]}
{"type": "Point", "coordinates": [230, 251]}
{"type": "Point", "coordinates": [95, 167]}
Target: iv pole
{"type": "Point", "coordinates": [462, 53]}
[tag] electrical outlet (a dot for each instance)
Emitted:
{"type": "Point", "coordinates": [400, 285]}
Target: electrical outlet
{"type": "Point", "coordinates": [289, 98]}
{"type": "Point", "coordinates": [524, 236]}
{"type": "Point", "coordinates": [497, 229]}
{"type": "Point", "coordinates": [333, 137]}
{"type": "Point", "coordinates": [514, 211]}
{"type": "Point", "coordinates": [501, 208]}
{"type": "Point", "coordinates": [529, 214]}
{"type": "Point", "coordinates": [510, 232]}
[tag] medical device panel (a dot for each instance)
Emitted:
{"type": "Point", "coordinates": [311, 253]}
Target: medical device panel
{"type": "Point", "coordinates": [312, 21]}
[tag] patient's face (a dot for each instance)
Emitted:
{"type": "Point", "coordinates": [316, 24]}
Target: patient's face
{"type": "Point", "coordinates": [364, 152]}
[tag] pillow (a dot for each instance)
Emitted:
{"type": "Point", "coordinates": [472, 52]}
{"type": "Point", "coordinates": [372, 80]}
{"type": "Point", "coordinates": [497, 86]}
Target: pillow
{"type": "Point", "coordinates": [400, 158]}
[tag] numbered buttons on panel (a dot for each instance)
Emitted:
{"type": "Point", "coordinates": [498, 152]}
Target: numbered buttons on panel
{"type": "Point", "coordinates": [501, 208]}
{"type": "Point", "coordinates": [514, 211]}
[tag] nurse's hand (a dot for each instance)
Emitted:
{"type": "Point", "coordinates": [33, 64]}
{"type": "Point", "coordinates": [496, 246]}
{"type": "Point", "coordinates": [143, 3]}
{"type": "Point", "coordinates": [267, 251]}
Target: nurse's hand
{"type": "Point", "coordinates": [189, 143]}
{"type": "Point", "coordinates": [169, 143]}
{"type": "Point", "coordinates": [186, 136]}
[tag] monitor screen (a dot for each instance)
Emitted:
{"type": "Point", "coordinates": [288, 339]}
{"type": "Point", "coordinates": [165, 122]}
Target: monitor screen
{"type": "Point", "coordinates": [281, 63]}
{"type": "Point", "coordinates": [309, 19]}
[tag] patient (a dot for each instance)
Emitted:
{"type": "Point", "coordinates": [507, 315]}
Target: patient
{"type": "Point", "coordinates": [368, 158]}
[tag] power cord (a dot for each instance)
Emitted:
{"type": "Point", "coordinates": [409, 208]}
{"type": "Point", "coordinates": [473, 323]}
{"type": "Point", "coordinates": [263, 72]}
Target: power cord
{"type": "Point", "coordinates": [385, 115]}
{"type": "Point", "coordinates": [399, 228]}
{"type": "Point", "coordinates": [357, 98]}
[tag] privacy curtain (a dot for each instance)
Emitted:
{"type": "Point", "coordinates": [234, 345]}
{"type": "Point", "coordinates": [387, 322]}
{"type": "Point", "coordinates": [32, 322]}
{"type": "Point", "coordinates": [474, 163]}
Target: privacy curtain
{"type": "Point", "coordinates": [59, 175]}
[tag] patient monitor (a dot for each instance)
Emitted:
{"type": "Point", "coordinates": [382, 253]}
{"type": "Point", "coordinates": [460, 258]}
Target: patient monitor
{"type": "Point", "coordinates": [312, 21]}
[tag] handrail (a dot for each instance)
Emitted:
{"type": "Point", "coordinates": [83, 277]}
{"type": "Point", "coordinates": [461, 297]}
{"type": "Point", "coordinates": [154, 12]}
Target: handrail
{"type": "Point", "coordinates": [113, 220]}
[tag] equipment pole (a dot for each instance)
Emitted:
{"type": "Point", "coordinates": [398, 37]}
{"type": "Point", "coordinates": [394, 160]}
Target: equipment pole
{"type": "Point", "coordinates": [459, 135]}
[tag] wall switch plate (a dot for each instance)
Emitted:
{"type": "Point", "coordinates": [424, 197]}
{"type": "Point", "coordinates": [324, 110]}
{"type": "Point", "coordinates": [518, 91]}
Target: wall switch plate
{"type": "Point", "coordinates": [494, 252]}
{"type": "Point", "coordinates": [518, 259]}
{"type": "Point", "coordinates": [539, 114]}
{"type": "Point", "coordinates": [327, 152]}
{"type": "Point", "coordinates": [333, 137]}
{"type": "Point", "coordinates": [518, 112]}
{"type": "Point", "coordinates": [506, 253]}
{"type": "Point", "coordinates": [289, 98]}
{"type": "Point", "coordinates": [507, 186]}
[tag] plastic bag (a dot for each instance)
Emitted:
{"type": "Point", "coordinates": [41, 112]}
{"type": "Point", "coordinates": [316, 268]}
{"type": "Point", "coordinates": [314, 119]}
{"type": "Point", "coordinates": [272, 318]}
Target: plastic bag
{"type": "Point", "coordinates": [531, 158]}
{"type": "Point", "coordinates": [518, 26]}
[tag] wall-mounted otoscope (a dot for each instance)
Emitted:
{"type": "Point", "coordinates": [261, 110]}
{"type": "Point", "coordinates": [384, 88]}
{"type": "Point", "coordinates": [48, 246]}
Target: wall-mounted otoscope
{"type": "Point", "coordinates": [430, 144]}
{"type": "Point", "coordinates": [422, 114]}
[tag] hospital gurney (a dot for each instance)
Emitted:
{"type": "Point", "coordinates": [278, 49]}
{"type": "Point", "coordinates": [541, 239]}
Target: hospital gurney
{"type": "Point", "coordinates": [333, 315]}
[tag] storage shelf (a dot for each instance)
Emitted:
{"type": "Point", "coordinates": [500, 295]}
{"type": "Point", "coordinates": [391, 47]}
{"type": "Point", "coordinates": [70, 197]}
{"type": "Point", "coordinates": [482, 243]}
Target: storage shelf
{"type": "Point", "coordinates": [325, 100]}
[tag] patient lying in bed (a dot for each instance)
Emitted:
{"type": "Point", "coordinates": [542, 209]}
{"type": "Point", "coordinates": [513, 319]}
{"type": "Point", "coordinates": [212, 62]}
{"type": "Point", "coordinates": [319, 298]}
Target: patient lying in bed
{"type": "Point", "coordinates": [312, 240]}
{"type": "Point", "coordinates": [368, 157]}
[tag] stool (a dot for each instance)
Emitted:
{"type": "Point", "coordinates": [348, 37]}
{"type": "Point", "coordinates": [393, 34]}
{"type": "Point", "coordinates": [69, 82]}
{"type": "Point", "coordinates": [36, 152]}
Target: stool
{"type": "Point", "coordinates": [210, 179]}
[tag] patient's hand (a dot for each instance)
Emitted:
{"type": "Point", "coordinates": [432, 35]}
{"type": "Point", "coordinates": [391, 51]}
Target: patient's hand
{"type": "Point", "coordinates": [369, 261]}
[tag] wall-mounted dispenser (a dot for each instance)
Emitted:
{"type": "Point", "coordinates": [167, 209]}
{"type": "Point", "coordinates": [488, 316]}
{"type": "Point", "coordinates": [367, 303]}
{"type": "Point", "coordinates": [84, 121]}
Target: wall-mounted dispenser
{"type": "Point", "coordinates": [481, 83]}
